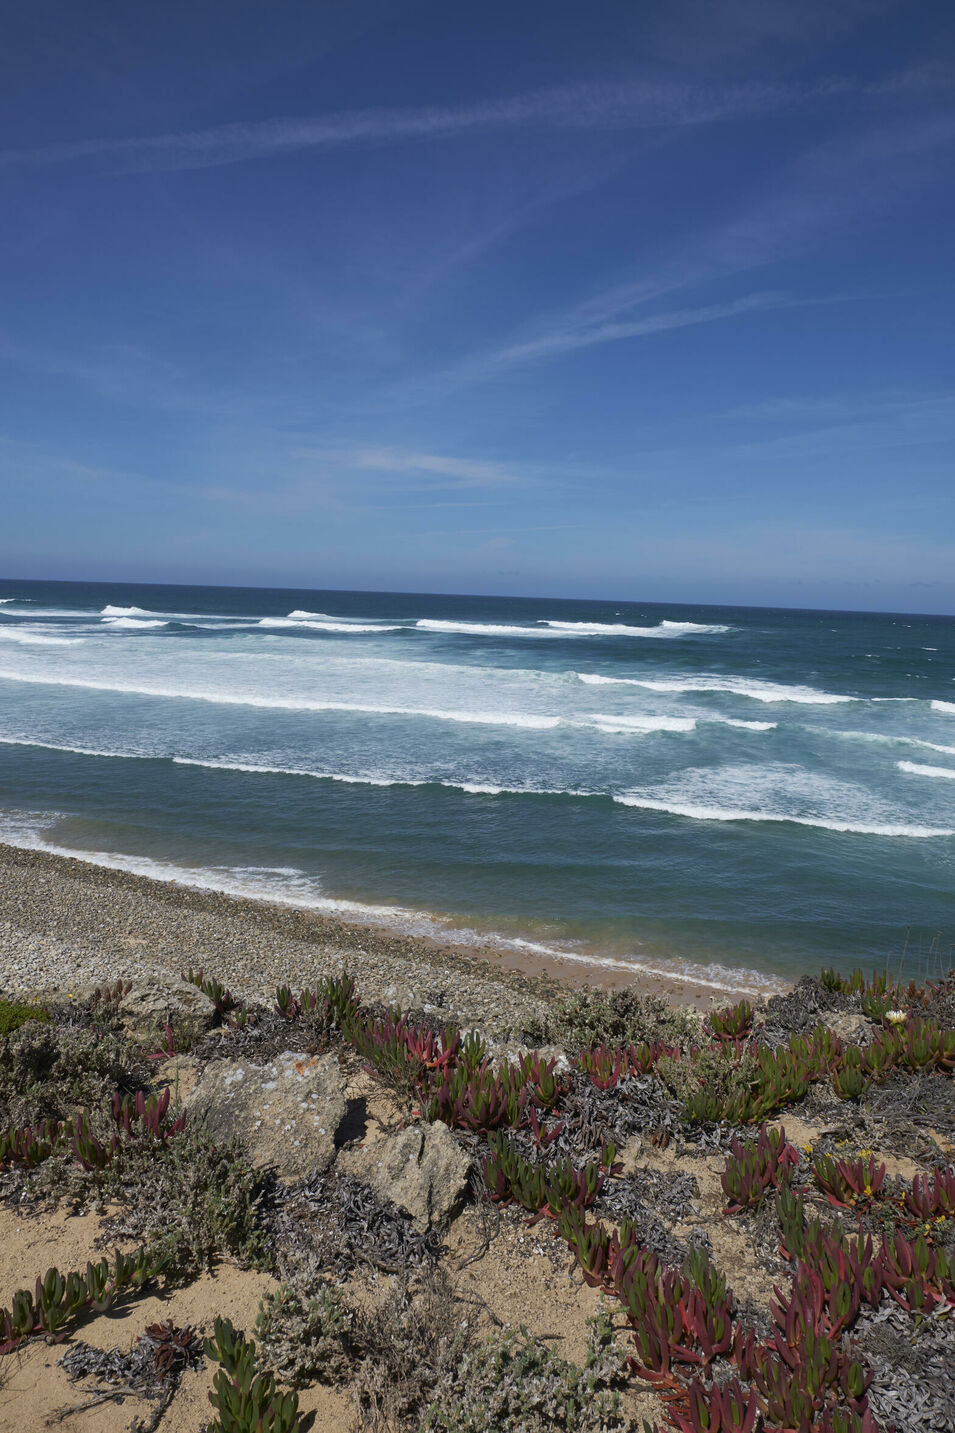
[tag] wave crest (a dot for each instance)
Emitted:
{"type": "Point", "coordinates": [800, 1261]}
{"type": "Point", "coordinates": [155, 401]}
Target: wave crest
{"type": "Point", "coordinates": [757, 688]}
{"type": "Point", "coordinates": [915, 769]}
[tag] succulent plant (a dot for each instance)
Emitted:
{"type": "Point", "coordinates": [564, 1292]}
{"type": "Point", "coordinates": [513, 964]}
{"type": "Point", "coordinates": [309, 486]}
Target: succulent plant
{"type": "Point", "coordinates": [246, 1399]}
{"type": "Point", "coordinates": [59, 1298]}
{"type": "Point", "coordinates": [929, 1198]}
{"type": "Point", "coordinates": [756, 1167]}
{"type": "Point", "coordinates": [848, 1182]}
{"type": "Point", "coordinates": [849, 1075]}
{"type": "Point", "coordinates": [732, 1024]}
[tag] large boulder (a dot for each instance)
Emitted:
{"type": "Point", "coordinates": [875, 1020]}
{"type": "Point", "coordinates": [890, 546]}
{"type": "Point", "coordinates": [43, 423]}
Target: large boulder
{"type": "Point", "coordinates": [422, 1169]}
{"type": "Point", "coordinates": [287, 1112]}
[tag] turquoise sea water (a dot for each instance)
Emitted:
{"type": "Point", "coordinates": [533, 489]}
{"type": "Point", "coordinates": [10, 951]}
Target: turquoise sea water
{"type": "Point", "coordinates": [731, 790]}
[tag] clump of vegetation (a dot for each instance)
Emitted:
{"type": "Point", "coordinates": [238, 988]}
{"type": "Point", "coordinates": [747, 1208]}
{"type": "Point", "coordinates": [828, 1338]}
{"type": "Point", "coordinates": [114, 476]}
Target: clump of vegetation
{"type": "Point", "coordinates": [59, 1299]}
{"type": "Point", "coordinates": [244, 1395]}
{"type": "Point", "coordinates": [333, 1223]}
{"type": "Point", "coordinates": [48, 1071]}
{"type": "Point", "coordinates": [412, 1341]}
{"type": "Point", "coordinates": [711, 1084]}
{"type": "Point", "coordinates": [514, 1383]}
{"type": "Point", "coordinates": [151, 1369]}
{"type": "Point", "coordinates": [306, 1340]}
{"type": "Point", "coordinates": [201, 1201]}
{"type": "Point", "coordinates": [615, 1017]}
{"type": "Point", "coordinates": [13, 1015]}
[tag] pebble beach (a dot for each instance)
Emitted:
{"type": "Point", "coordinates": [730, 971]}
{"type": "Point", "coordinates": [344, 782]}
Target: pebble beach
{"type": "Point", "coordinates": [67, 923]}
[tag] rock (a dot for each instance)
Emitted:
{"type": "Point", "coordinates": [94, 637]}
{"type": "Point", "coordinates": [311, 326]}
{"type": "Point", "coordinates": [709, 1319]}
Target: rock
{"type": "Point", "coordinates": [503, 1052]}
{"type": "Point", "coordinates": [148, 1007]}
{"type": "Point", "coordinates": [287, 1112]}
{"type": "Point", "coordinates": [852, 1029]}
{"type": "Point", "coordinates": [423, 1170]}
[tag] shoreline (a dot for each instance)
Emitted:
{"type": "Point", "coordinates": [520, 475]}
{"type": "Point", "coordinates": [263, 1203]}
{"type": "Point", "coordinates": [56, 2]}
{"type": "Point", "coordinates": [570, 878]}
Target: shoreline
{"type": "Point", "coordinates": [84, 918]}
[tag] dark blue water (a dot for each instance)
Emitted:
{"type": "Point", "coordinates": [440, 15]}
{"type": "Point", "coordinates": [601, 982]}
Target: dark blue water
{"type": "Point", "coordinates": [663, 786]}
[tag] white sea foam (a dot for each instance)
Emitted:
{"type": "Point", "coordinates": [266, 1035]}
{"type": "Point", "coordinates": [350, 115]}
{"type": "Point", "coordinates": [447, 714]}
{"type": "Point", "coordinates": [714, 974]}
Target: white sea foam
{"type": "Point", "coordinates": [744, 725]}
{"type": "Point", "coordinates": [257, 769]}
{"type": "Point", "coordinates": [301, 623]}
{"type": "Point", "coordinates": [8, 599]}
{"type": "Point", "coordinates": [631, 725]}
{"type": "Point", "coordinates": [37, 639]}
{"type": "Point", "coordinates": [349, 622]}
{"type": "Point", "coordinates": [365, 778]}
{"type": "Point", "coordinates": [948, 707]}
{"type": "Point", "coordinates": [529, 720]}
{"type": "Point", "coordinates": [41, 612]}
{"type": "Point", "coordinates": [914, 769]}
{"type": "Point", "coordinates": [110, 611]}
{"type": "Point", "coordinates": [483, 629]}
{"type": "Point", "coordinates": [621, 629]}
{"type": "Point", "coordinates": [755, 687]}
{"type": "Point", "coordinates": [70, 750]}
{"type": "Point", "coordinates": [132, 623]}
{"type": "Point", "coordinates": [776, 793]}
{"type": "Point", "coordinates": [472, 788]}
{"type": "Point", "coordinates": [695, 626]}
{"type": "Point", "coordinates": [719, 813]}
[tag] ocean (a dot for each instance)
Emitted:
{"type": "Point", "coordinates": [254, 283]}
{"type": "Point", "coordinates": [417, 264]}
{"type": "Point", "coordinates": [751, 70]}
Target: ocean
{"type": "Point", "coordinates": [739, 795]}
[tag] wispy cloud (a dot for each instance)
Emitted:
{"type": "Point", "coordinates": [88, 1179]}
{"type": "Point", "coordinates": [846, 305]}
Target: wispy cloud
{"type": "Point", "coordinates": [836, 183]}
{"type": "Point", "coordinates": [581, 107]}
{"type": "Point", "coordinates": [460, 472]}
{"type": "Point", "coordinates": [584, 334]}
{"type": "Point", "coordinates": [820, 428]}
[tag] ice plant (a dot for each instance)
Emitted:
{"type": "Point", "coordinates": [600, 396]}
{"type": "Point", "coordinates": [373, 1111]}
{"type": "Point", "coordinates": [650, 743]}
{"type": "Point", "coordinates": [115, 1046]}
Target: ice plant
{"type": "Point", "coordinates": [847, 1183]}
{"type": "Point", "coordinates": [732, 1024]}
{"type": "Point", "coordinates": [58, 1298]}
{"type": "Point", "coordinates": [755, 1167]}
{"type": "Point", "coordinates": [929, 1199]}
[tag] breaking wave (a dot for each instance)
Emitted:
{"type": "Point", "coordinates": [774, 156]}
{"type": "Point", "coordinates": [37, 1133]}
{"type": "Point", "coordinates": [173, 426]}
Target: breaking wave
{"type": "Point", "coordinates": [914, 769]}
{"type": "Point", "coordinates": [755, 687]}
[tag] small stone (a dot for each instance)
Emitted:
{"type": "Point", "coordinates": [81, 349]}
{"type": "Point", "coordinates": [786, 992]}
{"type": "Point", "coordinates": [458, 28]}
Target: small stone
{"type": "Point", "coordinates": [852, 1028]}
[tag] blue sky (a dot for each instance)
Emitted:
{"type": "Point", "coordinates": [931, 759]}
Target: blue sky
{"type": "Point", "coordinates": [648, 301]}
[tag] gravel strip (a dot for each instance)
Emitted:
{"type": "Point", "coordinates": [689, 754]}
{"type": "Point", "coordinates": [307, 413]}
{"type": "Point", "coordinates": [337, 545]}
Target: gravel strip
{"type": "Point", "coordinates": [66, 923]}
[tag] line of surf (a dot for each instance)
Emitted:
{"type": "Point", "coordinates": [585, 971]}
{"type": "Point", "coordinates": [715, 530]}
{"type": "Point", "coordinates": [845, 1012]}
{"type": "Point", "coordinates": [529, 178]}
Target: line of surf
{"type": "Point", "coordinates": [698, 812]}
{"type": "Point", "coordinates": [37, 639]}
{"type": "Point", "coordinates": [529, 720]}
{"type": "Point", "coordinates": [554, 628]}
{"type": "Point", "coordinates": [915, 769]}
{"type": "Point", "coordinates": [472, 788]}
{"type": "Point", "coordinates": [302, 624]}
{"type": "Point", "coordinates": [757, 688]}
{"type": "Point", "coordinates": [622, 629]}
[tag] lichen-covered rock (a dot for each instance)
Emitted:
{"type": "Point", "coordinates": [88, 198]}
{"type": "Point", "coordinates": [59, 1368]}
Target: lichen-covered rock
{"type": "Point", "coordinates": [853, 1029]}
{"type": "Point", "coordinates": [150, 1005]}
{"type": "Point", "coordinates": [423, 1170]}
{"type": "Point", "coordinates": [287, 1112]}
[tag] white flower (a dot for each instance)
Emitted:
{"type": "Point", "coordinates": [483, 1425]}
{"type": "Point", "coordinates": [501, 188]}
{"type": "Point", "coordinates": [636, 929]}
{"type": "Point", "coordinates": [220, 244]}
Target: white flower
{"type": "Point", "coordinates": [896, 1017]}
